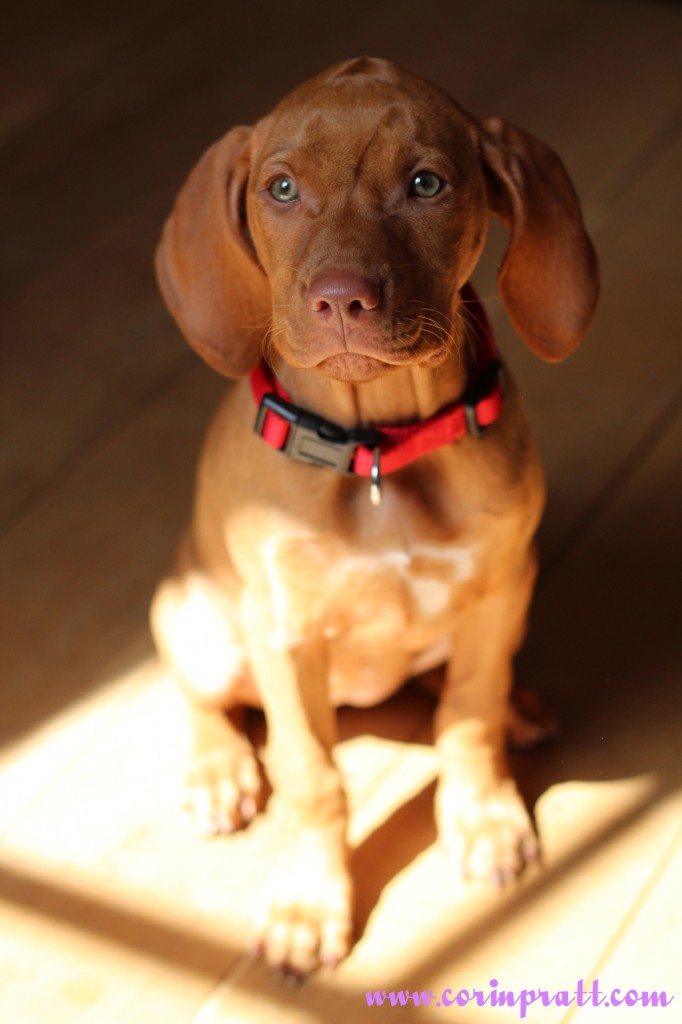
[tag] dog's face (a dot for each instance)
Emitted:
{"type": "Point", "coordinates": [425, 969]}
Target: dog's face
{"type": "Point", "coordinates": [340, 229]}
{"type": "Point", "coordinates": [367, 209]}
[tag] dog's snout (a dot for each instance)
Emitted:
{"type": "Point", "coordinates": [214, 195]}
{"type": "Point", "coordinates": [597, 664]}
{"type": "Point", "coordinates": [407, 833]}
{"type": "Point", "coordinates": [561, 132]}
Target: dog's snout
{"type": "Point", "coordinates": [350, 295]}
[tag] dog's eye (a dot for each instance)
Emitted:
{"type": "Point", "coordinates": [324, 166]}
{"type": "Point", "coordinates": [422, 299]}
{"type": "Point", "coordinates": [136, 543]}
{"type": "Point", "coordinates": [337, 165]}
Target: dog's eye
{"type": "Point", "coordinates": [284, 189]}
{"type": "Point", "coordinates": [425, 184]}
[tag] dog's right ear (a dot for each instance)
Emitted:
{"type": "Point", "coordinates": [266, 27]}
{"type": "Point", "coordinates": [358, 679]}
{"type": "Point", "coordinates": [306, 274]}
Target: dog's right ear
{"type": "Point", "coordinates": [206, 265]}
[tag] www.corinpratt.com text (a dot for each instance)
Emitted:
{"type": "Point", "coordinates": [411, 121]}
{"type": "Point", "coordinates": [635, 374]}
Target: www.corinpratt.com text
{"type": "Point", "coordinates": [584, 994]}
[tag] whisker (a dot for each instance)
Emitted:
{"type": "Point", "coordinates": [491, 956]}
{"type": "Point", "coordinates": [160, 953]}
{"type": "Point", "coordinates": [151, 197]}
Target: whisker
{"type": "Point", "coordinates": [277, 326]}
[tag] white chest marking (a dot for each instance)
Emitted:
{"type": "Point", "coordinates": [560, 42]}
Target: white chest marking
{"type": "Point", "coordinates": [431, 571]}
{"type": "Point", "coordinates": [428, 571]}
{"type": "Point", "coordinates": [431, 595]}
{"type": "Point", "coordinates": [460, 558]}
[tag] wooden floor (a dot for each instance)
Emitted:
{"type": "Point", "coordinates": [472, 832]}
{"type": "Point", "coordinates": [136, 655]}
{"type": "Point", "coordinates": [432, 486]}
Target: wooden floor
{"type": "Point", "coordinates": [111, 908]}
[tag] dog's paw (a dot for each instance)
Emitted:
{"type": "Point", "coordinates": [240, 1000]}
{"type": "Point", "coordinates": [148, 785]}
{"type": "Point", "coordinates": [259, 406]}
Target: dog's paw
{"type": "Point", "coordinates": [307, 919]}
{"type": "Point", "coordinates": [223, 787]}
{"type": "Point", "coordinates": [490, 838]}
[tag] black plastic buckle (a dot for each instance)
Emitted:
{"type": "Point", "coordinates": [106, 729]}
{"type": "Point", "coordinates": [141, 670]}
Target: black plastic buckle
{"type": "Point", "coordinates": [492, 375]}
{"type": "Point", "coordinates": [315, 440]}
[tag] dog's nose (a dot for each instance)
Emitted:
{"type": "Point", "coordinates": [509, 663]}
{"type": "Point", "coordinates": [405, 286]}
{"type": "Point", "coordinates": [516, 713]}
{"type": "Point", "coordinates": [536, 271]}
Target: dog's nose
{"type": "Point", "coordinates": [349, 294]}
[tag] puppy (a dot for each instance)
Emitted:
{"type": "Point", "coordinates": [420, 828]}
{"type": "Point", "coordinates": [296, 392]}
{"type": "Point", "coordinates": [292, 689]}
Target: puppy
{"type": "Point", "coordinates": [369, 491]}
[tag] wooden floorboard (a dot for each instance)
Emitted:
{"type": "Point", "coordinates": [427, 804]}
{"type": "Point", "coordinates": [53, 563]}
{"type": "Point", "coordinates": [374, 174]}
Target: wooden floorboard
{"type": "Point", "coordinates": [51, 53]}
{"type": "Point", "coordinates": [111, 909]}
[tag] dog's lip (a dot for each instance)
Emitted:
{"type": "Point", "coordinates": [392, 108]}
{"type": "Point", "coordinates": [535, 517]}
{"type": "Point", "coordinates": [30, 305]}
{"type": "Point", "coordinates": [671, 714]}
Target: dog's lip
{"type": "Point", "coordinates": [328, 351]}
{"type": "Point", "coordinates": [405, 355]}
{"type": "Point", "coordinates": [353, 367]}
{"type": "Point", "coordinates": [377, 364]}
{"type": "Point", "coordinates": [385, 358]}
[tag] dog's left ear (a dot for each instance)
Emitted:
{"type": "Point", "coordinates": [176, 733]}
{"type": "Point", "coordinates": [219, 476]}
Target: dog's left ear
{"type": "Point", "coordinates": [549, 280]}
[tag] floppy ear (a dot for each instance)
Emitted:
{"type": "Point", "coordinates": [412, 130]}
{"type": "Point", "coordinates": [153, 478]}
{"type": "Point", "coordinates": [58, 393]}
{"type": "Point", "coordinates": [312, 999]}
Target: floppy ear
{"type": "Point", "coordinates": [206, 266]}
{"type": "Point", "coordinates": [549, 280]}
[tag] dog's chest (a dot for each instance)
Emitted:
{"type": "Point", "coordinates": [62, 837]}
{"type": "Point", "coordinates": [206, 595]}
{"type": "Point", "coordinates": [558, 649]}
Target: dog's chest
{"type": "Point", "coordinates": [322, 587]}
{"type": "Point", "coordinates": [425, 578]}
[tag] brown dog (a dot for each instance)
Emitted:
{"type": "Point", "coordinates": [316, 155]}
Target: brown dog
{"type": "Point", "coordinates": [336, 238]}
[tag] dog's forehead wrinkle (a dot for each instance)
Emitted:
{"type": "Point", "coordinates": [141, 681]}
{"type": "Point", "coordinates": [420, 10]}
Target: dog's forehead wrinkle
{"type": "Point", "coordinates": [353, 129]}
{"type": "Point", "coordinates": [340, 160]}
{"type": "Point", "coordinates": [339, 143]}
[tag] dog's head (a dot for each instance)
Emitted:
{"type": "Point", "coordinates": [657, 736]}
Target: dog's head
{"type": "Point", "coordinates": [342, 226]}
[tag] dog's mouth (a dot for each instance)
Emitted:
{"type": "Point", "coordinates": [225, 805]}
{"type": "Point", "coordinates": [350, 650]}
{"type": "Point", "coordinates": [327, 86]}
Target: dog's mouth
{"type": "Point", "coordinates": [367, 351]}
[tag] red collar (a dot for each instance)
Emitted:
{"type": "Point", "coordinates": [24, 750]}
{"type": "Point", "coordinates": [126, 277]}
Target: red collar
{"type": "Point", "coordinates": [372, 452]}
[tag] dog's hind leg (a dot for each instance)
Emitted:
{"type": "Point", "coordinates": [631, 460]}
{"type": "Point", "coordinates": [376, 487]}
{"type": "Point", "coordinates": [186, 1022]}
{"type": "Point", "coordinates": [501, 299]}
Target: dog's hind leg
{"type": "Point", "coordinates": [198, 639]}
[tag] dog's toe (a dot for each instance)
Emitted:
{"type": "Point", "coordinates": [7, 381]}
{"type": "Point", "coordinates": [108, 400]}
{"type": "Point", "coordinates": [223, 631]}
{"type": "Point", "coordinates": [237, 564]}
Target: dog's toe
{"type": "Point", "coordinates": [298, 940]}
{"type": "Point", "coordinates": [307, 922]}
{"type": "Point", "coordinates": [491, 838]}
{"type": "Point", "coordinates": [222, 790]}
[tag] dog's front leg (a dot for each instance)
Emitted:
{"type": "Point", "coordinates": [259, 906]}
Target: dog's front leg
{"type": "Point", "coordinates": [482, 819]}
{"type": "Point", "coordinates": [307, 920]}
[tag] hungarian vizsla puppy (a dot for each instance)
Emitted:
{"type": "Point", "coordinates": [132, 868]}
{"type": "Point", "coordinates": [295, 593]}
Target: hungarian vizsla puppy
{"type": "Point", "coordinates": [379, 519]}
